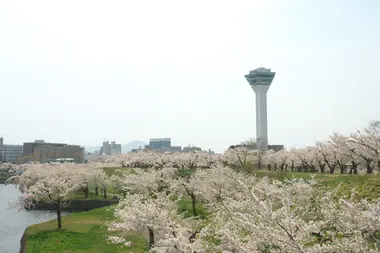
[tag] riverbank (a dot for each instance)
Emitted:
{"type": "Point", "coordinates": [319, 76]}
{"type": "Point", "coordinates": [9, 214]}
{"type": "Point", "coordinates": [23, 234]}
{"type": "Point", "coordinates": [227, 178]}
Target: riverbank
{"type": "Point", "coordinates": [82, 232]}
{"type": "Point", "coordinates": [14, 221]}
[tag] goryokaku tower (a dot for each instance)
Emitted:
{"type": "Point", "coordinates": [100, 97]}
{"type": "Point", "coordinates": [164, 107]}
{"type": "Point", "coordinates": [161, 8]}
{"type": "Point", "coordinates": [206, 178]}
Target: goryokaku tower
{"type": "Point", "coordinates": [260, 80]}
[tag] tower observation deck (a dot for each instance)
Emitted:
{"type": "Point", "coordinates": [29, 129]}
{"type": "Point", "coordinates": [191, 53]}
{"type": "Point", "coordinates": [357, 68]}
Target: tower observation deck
{"type": "Point", "coordinates": [260, 80]}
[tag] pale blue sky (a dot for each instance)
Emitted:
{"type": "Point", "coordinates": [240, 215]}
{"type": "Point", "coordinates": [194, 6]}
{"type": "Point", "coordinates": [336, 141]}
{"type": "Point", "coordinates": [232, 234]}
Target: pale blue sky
{"type": "Point", "coordinates": [82, 71]}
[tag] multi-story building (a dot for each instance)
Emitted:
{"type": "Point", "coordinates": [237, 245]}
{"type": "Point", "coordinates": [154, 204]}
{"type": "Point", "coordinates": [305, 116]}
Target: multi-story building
{"type": "Point", "coordinates": [164, 145]}
{"type": "Point", "coordinates": [159, 144]}
{"type": "Point", "coordinates": [9, 153]}
{"type": "Point", "coordinates": [176, 149]}
{"type": "Point", "coordinates": [41, 151]}
{"type": "Point", "coordinates": [110, 149]}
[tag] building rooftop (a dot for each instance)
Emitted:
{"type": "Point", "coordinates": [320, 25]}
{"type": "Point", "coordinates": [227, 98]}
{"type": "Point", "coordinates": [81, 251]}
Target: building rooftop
{"type": "Point", "coordinates": [159, 139]}
{"type": "Point", "coordinates": [44, 143]}
{"type": "Point", "coordinates": [260, 76]}
{"type": "Point", "coordinates": [261, 69]}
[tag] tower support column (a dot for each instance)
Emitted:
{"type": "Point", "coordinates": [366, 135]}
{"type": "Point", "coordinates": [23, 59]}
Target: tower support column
{"type": "Point", "coordinates": [261, 121]}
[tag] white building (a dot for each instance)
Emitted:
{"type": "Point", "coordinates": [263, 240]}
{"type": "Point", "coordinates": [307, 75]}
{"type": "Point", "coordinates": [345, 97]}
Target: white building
{"type": "Point", "coordinates": [260, 80]}
{"type": "Point", "coordinates": [10, 153]}
{"type": "Point", "coordinates": [110, 149]}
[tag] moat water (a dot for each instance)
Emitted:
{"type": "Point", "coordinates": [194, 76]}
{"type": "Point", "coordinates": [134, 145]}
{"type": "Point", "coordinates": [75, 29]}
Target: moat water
{"type": "Point", "coordinates": [14, 221]}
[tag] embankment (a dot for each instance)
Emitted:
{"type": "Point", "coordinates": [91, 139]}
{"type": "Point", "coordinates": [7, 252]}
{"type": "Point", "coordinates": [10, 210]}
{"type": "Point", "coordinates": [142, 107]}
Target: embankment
{"type": "Point", "coordinates": [78, 205]}
{"type": "Point", "coordinates": [74, 206]}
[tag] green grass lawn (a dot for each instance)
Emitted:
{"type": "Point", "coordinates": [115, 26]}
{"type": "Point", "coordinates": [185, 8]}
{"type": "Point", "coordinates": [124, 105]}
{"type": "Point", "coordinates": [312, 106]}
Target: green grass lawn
{"type": "Point", "coordinates": [81, 232]}
{"type": "Point", "coordinates": [115, 170]}
{"type": "Point", "coordinates": [85, 232]}
{"type": "Point", "coordinates": [185, 206]}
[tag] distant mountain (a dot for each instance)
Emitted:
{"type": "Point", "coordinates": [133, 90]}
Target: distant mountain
{"type": "Point", "coordinates": [124, 148]}
{"type": "Point", "coordinates": [92, 149]}
{"type": "Point", "coordinates": [132, 145]}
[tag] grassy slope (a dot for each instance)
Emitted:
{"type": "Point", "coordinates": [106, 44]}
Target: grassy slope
{"type": "Point", "coordinates": [81, 232]}
{"type": "Point", "coordinates": [366, 186]}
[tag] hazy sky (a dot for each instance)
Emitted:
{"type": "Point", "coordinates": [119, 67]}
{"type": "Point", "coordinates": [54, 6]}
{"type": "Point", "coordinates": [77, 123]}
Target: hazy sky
{"type": "Point", "coordinates": [84, 71]}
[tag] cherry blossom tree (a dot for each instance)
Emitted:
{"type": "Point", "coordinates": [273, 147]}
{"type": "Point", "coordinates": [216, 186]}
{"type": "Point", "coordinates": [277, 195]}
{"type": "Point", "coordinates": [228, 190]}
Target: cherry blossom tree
{"type": "Point", "coordinates": [214, 185]}
{"type": "Point", "coordinates": [167, 231]}
{"type": "Point", "coordinates": [329, 155]}
{"type": "Point", "coordinates": [294, 162]}
{"type": "Point", "coordinates": [188, 185]}
{"type": "Point", "coordinates": [49, 184]}
{"type": "Point", "coordinates": [239, 158]}
{"type": "Point", "coordinates": [292, 216]}
{"type": "Point", "coordinates": [190, 160]}
{"type": "Point", "coordinates": [148, 181]}
{"type": "Point", "coordinates": [84, 179]}
{"type": "Point", "coordinates": [373, 139]}
{"type": "Point", "coordinates": [118, 182]}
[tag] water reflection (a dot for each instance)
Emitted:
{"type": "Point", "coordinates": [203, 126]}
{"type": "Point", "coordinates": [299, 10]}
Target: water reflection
{"type": "Point", "coordinates": [14, 221]}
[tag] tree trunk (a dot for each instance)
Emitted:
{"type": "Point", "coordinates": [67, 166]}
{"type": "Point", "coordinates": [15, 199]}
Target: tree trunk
{"type": "Point", "coordinates": [369, 168]}
{"type": "Point", "coordinates": [104, 192]}
{"type": "Point", "coordinates": [342, 169]}
{"type": "Point", "coordinates": [86, 192]}
{"type": "Point", "coordinates": [151, 238]}
{"type": "Point", "coordinates": [59, 216]}
{"type": "Point", "coordinates": [322, 167]}
{"type": "Point", "coordinates": [331, 166]}
{"type": "Point", "coordinates": [96, 191]}
{"type": "Point", "coordinates": [193, 201]}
